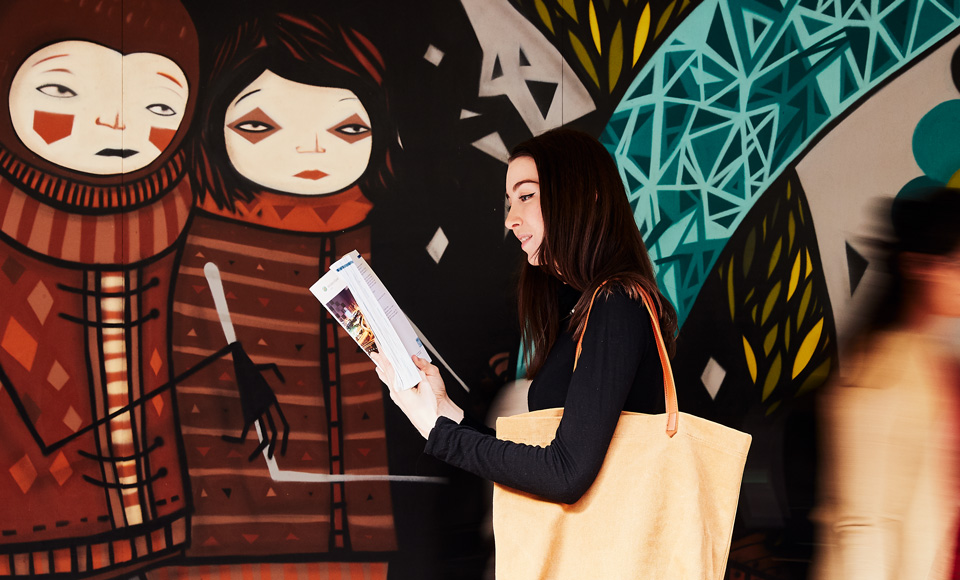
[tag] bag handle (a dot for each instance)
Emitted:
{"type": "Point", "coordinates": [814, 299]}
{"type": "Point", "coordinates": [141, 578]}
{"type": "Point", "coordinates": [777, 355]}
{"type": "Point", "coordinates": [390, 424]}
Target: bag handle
{"type": "Point", "coordinates": [669, 387]}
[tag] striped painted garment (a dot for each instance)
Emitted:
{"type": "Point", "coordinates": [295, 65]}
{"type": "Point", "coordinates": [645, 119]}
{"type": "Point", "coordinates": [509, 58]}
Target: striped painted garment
{"type": "Point", "coordinates": [269, 253]}
{"type": "Point", "coordinates": [90, 467]}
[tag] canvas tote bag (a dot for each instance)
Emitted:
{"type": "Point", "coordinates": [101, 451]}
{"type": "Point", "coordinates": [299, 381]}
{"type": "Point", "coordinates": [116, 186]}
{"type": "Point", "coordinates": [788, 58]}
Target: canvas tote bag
{"type": "Point", "coordinates": [662, 506]}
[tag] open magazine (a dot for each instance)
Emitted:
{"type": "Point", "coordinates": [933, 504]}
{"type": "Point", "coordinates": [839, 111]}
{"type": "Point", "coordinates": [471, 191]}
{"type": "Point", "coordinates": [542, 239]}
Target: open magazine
{"type": "Point", "coordinates": [356, 298]}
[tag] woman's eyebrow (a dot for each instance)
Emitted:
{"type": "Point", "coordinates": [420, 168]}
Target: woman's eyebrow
{"type": "Point", "coordinates": [237, 102]}
{"type": "Point", "coordinates": [49, 58]}
{"type": "Point", "coordinates": [170, 78]}
{"type": "Point", "coordinates": [522, 181]}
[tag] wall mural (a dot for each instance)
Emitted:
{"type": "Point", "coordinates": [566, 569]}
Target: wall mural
{"type": "Point", "coordinates": [174, 175]}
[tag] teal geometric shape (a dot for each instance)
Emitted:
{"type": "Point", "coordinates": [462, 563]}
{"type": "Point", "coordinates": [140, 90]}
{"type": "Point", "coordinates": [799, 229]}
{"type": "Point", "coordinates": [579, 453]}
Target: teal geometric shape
{"type": "Point", "coordinates": [930, 21]}
{"type": "Point", "coordinates": [813, 24]}
{"type": "Point", "coordinates": [936, 147]}
{"type": "Point", "coordinates": [897, 24]}
{"type": "Point", "coordinates": [814, 61]}
{"type": "Point", "coordinates": [707, 147]}
{"type": "Point", "coordinates": [883, 59]}
{"type": "Point", "coordinates": [717, 39]}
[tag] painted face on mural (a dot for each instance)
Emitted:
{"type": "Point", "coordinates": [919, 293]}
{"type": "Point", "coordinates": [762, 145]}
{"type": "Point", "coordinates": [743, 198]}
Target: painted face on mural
{"type": "Point", "coordinates": [89, 108]}
{"type": "Point", "coordinates": [523, 195]}
{"type": "Point", "coordinates": [298, 138]}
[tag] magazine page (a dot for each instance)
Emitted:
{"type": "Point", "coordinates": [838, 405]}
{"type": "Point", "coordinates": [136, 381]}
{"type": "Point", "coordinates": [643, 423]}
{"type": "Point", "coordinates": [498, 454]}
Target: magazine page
{"type": "Point", "coordinates": [355, 309]}
{"type": "Point", "coordinates": [398, 320]}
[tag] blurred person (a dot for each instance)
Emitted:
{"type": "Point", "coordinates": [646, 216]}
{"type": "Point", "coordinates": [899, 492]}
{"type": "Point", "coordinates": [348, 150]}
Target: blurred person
{"type": "Point", "coordinates": [889, 486]}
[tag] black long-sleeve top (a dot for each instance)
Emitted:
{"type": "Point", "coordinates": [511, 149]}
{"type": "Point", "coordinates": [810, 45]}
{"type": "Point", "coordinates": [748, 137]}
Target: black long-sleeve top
{"type": "Point", "coordinates": [619, 369]}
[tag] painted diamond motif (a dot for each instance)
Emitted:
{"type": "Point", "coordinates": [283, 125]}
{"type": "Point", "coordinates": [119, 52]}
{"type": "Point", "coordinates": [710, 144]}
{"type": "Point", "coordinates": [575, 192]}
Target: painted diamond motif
{"type": "Point", "coordinates": [72, 419]}
{"type": "Point", "coordinates": [60, 469]}
{"type": "Point", "coordinates": [41, 301]}
{"type": "Point", "coordinates": [712, 377]}
{"type": "Point", "coordinates": [434, 55]}
{"type": "Point", "coordinates": [158, 405]}
{"type": "Point", "coordinates": [156, 363]}
{"type": "Point", "coordinates": [24, 473]}
{"type": "Point", "coordinates": [13, 270]}
{"type": "Point", "coordinates": [58, 376]}
{"type": "Point", "coordinates": [18, 342]}
{"type": "Point", "coordinates": [438, 245]}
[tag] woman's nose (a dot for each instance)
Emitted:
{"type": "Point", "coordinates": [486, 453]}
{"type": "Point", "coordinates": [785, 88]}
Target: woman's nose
{"type": "Point", "coordinates": [115, 123]}
{"type": "Point", "coordinates": [513, 219]}
{"type": "Point", "coordinates": [313, 147]}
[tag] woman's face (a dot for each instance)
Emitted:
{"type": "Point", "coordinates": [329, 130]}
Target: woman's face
{"type": "Point", "coordinates": [297, 138]}
{"type": "Point", "coordinates": [88, 108]}
{"type": "Point", "coordinates": [523, 196]}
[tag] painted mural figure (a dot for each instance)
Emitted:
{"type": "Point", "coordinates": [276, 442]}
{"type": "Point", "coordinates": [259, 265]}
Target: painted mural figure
{"type": "Point", "coordinates": [92, 201]}
{"type": "Point", "coordinates": [295, 142]}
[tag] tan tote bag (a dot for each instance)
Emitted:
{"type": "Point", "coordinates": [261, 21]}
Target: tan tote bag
{"type": "Point", "coordinates": [662, 506]}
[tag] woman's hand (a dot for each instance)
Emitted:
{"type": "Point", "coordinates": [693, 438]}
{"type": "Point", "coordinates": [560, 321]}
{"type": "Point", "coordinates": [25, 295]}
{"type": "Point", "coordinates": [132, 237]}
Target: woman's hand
{"type": "Point", "coordinates": [424, 403]}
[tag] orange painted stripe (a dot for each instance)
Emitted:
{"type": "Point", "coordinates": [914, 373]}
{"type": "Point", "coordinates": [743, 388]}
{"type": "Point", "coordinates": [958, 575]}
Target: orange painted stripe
{"type": "Point", "coordinates": [122, 552]}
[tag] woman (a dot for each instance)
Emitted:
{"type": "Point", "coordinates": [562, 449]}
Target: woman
{"type": "Point", "coordinates": [295, 142]}
{"type": "Point", "coordinates": [569, 210]}
{"type": "Point", "coordinates": [889, 487]}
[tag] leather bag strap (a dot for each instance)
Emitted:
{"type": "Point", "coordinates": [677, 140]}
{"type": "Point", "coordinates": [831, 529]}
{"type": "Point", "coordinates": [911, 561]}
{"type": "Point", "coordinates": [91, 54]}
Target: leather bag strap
{"type": "Point", "coordinates": [669, 386]}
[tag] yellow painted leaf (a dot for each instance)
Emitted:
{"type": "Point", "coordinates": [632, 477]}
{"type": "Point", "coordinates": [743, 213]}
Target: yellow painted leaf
{"type": "Point", "coordinates": [751, 359]}
{"type": "Point", "coordinates": [794, 277]}
{"type": "Point", "coordinates": [544, 14]}
{"type": "Point", "coordinates": [643, 30]}
{"type": "Point", "coordinates": [730, 295]}
{"type": "Point", "coordinates": [786, 335]}
{"type": "Point", "coordinates": [772, 408]}
{"type": "Point", "coordinates": [807, 348]}
{"type": "Point", "coordinates": [753, 314]}
{"type": "Point", "coordinates": [748, 251]}
{"type": "Point", "coordinates": [664, 18]}
{"type": "Point", "coordinates": [789, 189]}
{"type": "Point", "coordinates": [764, 228]}
{"type": "Point", "coordinates": [816, 378]}
{"type": "Point", "coordinates": [800, 211]}
{"type": "Point", "coordinates": [749, 295]}
{"type": "Point", "coordinates": [804, 302]}
{"type": "Point", "coordinates": [770, 302]}
{"type": "Point", "coordinates": [773, 377]}
{"type": "Point", "coordinates": [791, 230]}
{"type": "Point", "coordinates": [615, 57]}
{"type": "Point", "coordinates": [774, 257]}
{"type": "Point", "coordinates": [809, 266]}
{"type": "Point", "coordinates": [569, 8]}
{"type": "Point", "coordinates": [581, 52]}
{"type": "Point", "coordinates": [595, 27]}
{"type": "Point", "coordinates": [770, 340]}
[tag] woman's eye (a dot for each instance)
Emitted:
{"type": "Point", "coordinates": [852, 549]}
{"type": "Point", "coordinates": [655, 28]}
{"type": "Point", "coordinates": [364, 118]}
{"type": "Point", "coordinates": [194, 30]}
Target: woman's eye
{"type": "Point", "coordinates": [253, 127]}
{"type": "Point", "coordinates": [353, 129]}
{"type": "Point", "coordinates": [526, 196]}
{"type": "Point", "coordinates": [161, 109]}
{"type": "Point", "coordinates": [58, 91]}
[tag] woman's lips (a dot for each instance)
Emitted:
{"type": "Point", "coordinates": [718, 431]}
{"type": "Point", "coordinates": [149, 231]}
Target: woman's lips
{"type": "Point", "coordinates": [312, 174]}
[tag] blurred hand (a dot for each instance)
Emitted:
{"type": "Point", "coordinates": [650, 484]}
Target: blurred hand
{"type": "Point", "coordinates": [424, 403]}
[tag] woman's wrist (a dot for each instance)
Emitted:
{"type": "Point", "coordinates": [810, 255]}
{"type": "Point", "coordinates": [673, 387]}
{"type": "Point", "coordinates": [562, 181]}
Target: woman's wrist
{"type": "Point", "coordinates": [450, 410]}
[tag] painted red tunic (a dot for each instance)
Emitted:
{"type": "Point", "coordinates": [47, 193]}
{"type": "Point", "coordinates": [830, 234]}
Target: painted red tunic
{"type": "Point", "coordinates": [269, 253]}
{"type": "Point", "coordinates": [90, 461]}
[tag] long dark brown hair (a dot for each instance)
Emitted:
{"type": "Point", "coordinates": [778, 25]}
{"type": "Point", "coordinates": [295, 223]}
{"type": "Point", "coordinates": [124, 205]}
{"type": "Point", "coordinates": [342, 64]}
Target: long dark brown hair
{"type": "Point", "coordinates": [590, 237]}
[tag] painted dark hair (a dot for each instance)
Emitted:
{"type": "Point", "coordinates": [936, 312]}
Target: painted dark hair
{"type": "Point", "coordinates": [305, 49]}
{"type": "Point", "coordinates": [590, 237]}
{"type": "Point", "coordinates": [924, 222]}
